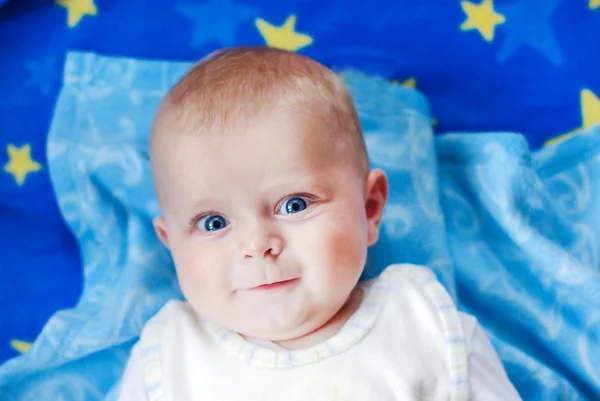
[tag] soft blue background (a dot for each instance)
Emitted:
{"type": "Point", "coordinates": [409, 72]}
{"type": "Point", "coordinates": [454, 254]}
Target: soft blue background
{"type": "Point", "coordinates": [527, 79]}
{"type": "Point", "coordinates": [513, 234]}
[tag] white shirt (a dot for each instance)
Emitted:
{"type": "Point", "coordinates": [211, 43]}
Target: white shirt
{"type": "Point", "coordinates": [486, 378]}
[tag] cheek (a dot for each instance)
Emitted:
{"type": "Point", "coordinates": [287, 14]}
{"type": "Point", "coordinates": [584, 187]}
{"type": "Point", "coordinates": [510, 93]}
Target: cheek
{"type": "Point", "coordinates": [201, 272]}
{"type": "Point", "coordinates": [339, 241]}
{"type": "Point", "coordinates": [346, 243]}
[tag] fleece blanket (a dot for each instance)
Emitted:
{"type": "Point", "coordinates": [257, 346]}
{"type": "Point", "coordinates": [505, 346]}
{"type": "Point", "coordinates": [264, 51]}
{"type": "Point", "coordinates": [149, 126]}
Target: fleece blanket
{"type": "Point", "coordinates": [513, 234]}
{"type": "Point", "coordinates": [523, 65]}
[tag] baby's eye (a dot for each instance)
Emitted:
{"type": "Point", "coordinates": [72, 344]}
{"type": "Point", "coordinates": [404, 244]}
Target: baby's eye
{"type": "Point", "coordinates": [293, 205]}
{"type": "Point", "coordinates": [212, 222]}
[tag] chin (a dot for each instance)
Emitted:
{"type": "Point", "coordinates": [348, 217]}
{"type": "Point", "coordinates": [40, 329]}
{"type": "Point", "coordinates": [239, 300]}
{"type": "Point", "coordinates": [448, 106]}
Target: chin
{"type": "Point", "coordinates": [282, 331]}
{"type": "Point", "coordinates": [279, 333]}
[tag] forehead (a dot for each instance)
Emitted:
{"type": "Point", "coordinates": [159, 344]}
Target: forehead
{"type": "Point", "coordinates": [275, 147]}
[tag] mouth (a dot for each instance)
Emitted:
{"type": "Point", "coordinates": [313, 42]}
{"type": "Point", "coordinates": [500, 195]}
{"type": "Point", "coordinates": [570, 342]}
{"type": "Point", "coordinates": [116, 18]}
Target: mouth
{"type": "Point", "coordinates": [277, 285]}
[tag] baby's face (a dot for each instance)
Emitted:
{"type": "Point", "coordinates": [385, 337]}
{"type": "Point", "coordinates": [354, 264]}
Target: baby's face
{"type": "Point", "coordinates": [267, 228]}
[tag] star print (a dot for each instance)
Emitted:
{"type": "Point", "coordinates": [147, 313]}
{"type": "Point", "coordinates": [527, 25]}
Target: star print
{"type": "Point", "coordinates": [594, 4]}
{"type": "Point", "coordinates": [590, 108]}
{"type": "Point", "coordinates": [20, 163]}
{"type": "Point", "coordinates": [20, 346]}
{"type": "Point", "coordinates": [528, 24]}
{"type": "Point", "coordinates": [590, 115]}
{"type": "Point", "coordinates": [42, 74]}
{"type": "Point", "coordinates": [76, 9]}
{"type": "Point", "coordinates": [410, 83]}
{"type": "Point", "coordinates": [482, 17]}
{"type": "Point", "coordinates": [407, 83]}
{"type": "Point", "coordinates": [215, 20]}
{"type": "Point", "coordinates": [283, 37]}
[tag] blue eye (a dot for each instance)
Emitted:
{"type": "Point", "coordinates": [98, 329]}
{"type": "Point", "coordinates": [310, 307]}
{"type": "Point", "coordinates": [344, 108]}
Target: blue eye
{"type": "Point", "coordinates": [293, 205]}
{"type": "Point", "coordinates": [212, 222]}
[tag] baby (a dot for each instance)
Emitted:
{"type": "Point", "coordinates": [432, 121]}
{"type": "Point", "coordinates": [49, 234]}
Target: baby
{"type": "Point", "coordinates": [269, 207]}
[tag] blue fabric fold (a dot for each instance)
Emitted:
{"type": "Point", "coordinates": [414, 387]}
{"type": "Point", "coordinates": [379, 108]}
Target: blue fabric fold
{"type": "Point", "coordinates": [513, 234]}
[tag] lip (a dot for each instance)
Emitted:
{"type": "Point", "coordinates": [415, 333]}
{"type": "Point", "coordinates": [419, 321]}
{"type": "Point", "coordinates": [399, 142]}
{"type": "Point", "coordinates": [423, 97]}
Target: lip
{"type": "Point", "coordinates": [276, 285]}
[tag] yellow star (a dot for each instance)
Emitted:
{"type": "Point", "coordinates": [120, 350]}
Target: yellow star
{"type": "Point", "coordinates": [410, 83]}
{"type": "Point", "coordinates": [76, 9]}
{"type": "Point", "coordinates": [283, 37]}
{"type": "Point", "coordinates": [20, 346]}
{"type": "Point", "coordinates": [590, 115]}
{"type": "Point", "coordinates": [590, 108]}
{"type": "Point", "coordinates": [482, 17]}
{"type": "Point", "coordinates": [594, 4]}
{"type": "Point", "coordinates": [20, 163]}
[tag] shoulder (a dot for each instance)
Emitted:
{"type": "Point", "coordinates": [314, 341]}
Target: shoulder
{"type": "Point", "coordinates": [132, 385]}
{"type": "Point", "coordinates": [419, 304]}
{"type": "Point", "coordinates": [487, 379]}
{"type": "Point", "coordinates": [174, 306]}
{"type": "Point", "coordinates": [145, 370]}
{"type": "Point", "coordinates": [407, 271]}
{"type": "Point", "coordinates": [470, 325]}
{"type": "Point", "coordinates": [174, 316]}
{"type": "Point", "coordinates": [416, 292]}
{"type": "Point", "coordinates": [172, 309]}
{"type": "Point", "coordinates": [415, 280]}
{"type": "Point", "coordinates": [423, 283]}
{"type": "Point", "coordinates": [417, 298]}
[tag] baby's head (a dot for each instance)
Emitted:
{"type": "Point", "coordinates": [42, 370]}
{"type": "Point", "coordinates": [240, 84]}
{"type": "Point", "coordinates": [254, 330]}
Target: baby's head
{"type": "Point", "coordinates": [268, 204]}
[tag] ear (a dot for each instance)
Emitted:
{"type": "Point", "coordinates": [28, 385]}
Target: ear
{"type": "Point", "coordinates": [161, 230]}
{"type": "Point", "coordinates": [376, 196]}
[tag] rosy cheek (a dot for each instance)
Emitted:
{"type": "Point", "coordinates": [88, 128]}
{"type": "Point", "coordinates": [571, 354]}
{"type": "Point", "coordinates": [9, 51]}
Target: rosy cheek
{"type": "Point", "coordinates": [345, 244]}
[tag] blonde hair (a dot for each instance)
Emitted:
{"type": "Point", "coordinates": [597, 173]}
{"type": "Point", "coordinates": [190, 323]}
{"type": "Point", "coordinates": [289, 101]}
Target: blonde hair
{"type": "Point", "coordinates": [236, 84]}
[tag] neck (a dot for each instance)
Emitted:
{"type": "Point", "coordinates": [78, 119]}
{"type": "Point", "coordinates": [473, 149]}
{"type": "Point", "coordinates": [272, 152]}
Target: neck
{"type": "Point", "coordinates": [329, 329]}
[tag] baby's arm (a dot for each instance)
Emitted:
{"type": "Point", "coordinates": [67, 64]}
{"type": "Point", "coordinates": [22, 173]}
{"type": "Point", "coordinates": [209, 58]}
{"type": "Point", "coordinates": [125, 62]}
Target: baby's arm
{"type": "Point", "coordinates": [487, 378]}
{"type": "Point", "coordinates": [132, 383]}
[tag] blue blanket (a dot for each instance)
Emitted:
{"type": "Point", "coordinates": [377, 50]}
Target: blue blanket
{"type": "Point", "coordinates": [513, 234]}
{"type": "Point", "coordinates": [525, 65]}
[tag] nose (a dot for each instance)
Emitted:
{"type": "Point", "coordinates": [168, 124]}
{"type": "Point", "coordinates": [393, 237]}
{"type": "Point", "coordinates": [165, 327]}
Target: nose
{"type": "Point", "coordinates": [261, 244]}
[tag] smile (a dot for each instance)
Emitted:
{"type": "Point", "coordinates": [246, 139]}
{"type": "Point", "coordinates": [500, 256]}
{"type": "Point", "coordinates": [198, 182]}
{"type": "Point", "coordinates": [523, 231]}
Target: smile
{"type": "Point", "coordinates": [277, 285]}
